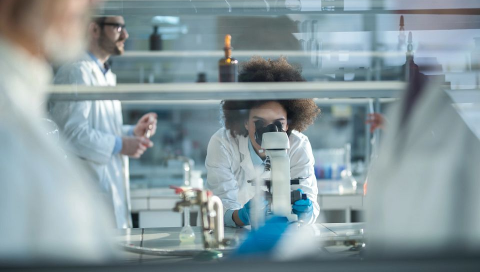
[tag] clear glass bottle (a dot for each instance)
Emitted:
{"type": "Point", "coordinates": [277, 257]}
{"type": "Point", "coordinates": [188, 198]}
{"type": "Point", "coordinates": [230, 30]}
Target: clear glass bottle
{"type": "Point", "coordinates": [348, 183]}
{"type": "Point", "coordinates": [187, 235]}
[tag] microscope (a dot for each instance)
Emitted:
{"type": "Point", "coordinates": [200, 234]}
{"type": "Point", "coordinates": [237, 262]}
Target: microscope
{"type": "Point", "coordinates": [274, 141]}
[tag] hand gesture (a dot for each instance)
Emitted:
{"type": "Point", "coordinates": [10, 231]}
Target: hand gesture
{"type": "Point", "coordinates": [376, 121]}
{"type": "Point", "coordinates": [146, 126]}
{"type": "Point", "coordinates": [135, 146]}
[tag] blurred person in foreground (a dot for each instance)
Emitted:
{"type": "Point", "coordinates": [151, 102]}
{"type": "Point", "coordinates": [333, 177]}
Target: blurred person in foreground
{"type": "Point", "coordinates": [422, 198]}
{"type": "Point", "coordinates": [234, 150]}
{"type": "Point", "coordinates": [49, 212]}
{"type": "Point", "coordinates": [94, 130]}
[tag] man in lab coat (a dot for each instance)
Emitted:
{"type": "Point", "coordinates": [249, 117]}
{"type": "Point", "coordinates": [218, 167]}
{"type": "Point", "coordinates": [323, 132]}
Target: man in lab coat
{"type": "Point", "coordinates": [94, 129]}
{"type": "Point", "coordinates": [49, 211]}
{"type": "Point", "coordinates": [234, 154]}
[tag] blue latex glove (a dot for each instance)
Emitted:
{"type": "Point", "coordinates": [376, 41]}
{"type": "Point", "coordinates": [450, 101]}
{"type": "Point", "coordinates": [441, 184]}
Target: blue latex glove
{"type": "Point", "coordinates": [244, 213]}
{"type": "Point", "coordinates": [302, 207]}
{"type": "Point", "coordinates": [261, 243]}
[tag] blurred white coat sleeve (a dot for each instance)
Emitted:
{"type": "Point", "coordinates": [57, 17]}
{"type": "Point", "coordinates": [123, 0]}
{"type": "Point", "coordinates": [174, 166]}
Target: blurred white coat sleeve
{"type": "Point", "coordinates": [127, 130]}
{"type": "Point", "coordinates": [220, 178]}
{"type": "Point", "coordinates": [49, 212]}
{"type": "Point", "coordinates": [301, 166]}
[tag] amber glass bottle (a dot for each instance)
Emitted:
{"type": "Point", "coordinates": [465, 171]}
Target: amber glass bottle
{"type": "Point", "coordinates": [155, 40]}
{"type": "Point", "coordinates": [228, 66]}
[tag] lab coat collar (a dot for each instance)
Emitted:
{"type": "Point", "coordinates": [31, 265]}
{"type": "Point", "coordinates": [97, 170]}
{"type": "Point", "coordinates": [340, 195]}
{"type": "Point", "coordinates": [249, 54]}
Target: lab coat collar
{"type": "Point", "coordinates": [256, 160]}
{"type": "Point", "coordinates": [104, 67]}
{"type": "Point", "coordinates": [107, 79]}
{"type": "Point", "coordinates": [407, 134]}
{"type": "Point", "coordinates": [28, 77]}
{"type": "Point", "coordinates": [397, 135]}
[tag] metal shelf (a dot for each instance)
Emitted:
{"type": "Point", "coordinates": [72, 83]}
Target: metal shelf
{"type": "Point", "coordinates": [214, 104]}
{"type": "Point", "coordinates": [232, 91]}
{"type": "Point", "coordinates": [256, 8]}
{"type": "Point", "coordinates": [248, 54]}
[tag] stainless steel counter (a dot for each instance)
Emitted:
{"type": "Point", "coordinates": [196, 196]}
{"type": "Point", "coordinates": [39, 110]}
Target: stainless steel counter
{"type": "Point", "coordinates": [163, 244]}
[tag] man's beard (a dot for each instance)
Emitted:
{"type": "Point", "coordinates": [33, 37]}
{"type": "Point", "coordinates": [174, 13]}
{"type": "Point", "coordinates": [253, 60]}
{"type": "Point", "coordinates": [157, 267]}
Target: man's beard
{"type": "Point", "coordinates": [111, 47]}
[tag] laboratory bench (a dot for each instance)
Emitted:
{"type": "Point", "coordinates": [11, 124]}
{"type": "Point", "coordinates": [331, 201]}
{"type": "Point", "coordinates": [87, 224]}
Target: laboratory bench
{"type": "Point", "coordinates": [158, 245]}
{"type": "Point", "coordinates": [359, 37]}
{"type": "Point", "coordinates": [154, 204]}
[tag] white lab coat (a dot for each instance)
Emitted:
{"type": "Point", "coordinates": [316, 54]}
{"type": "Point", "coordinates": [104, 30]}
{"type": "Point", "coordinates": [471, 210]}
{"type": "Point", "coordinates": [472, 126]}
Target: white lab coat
{"type": "Point", "coordinates": [48, 210]}
{"type": "Point", "coordinates": [423, 188]}
{"type": "Point", "coordinates": [90, 128]}
{"type": "Point", "coordinates": [229, 167]}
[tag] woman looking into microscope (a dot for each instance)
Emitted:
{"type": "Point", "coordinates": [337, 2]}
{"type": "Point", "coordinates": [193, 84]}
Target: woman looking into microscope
{"type": "Point", "coordinates": [235, 150]}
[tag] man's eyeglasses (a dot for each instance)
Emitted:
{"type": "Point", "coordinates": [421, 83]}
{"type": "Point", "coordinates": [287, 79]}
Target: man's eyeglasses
{"type": "Point", "coordinates": [118, 27]}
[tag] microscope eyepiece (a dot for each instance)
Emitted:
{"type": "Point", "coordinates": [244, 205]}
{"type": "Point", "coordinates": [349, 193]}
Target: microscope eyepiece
{"type": "Point", "coordinates": [260, 128]}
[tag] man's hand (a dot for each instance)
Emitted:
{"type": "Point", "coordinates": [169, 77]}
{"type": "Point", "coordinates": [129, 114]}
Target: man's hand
{"type": "Point", "coordinates": [146, 126]}
{"type": "Point", "coordinates": [135, 146]}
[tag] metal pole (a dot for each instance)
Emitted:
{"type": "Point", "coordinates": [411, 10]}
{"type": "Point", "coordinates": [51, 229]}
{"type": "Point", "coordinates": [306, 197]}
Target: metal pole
{"type": "Point", "coordinates": [368, 148]}
{"type": "Point", "coordinates": [377, 132]}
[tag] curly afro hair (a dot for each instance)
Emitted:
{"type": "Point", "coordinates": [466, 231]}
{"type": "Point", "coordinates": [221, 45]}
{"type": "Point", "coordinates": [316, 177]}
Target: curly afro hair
{"type": "Point", "coordinates": [258, 69]}
{"type": "Point", "coordinates": [300, 112]}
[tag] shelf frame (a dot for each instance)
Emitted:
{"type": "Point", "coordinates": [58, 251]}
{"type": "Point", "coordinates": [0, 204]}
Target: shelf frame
{"type": "Point", "coordinates": [236, 8]}
{"type": "Point", "coordinates": [228, 91]}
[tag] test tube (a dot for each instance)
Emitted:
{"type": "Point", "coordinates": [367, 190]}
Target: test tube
{"type": "Point", "coordinates": [148, 132]}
